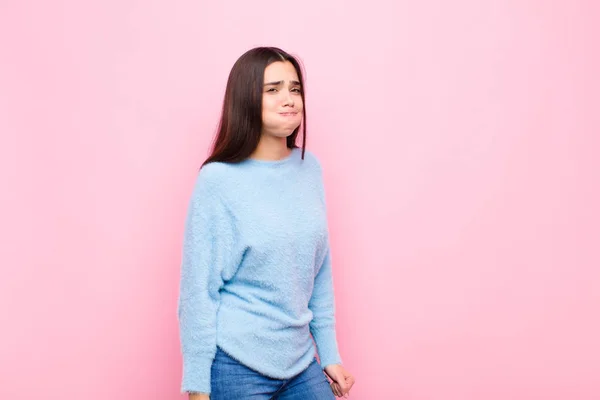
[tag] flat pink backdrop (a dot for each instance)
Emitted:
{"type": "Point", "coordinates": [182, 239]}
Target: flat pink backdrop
{"type": "Point", "coordinates": [460, 142]}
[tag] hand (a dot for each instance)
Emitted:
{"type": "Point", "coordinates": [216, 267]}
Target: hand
{"type": "Point", "coordinates": [341, 380]}
{"type": "Point", "coordinates": [199, 396]}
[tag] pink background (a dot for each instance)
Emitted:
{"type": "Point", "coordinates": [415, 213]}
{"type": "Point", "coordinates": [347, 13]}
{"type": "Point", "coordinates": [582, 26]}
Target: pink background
{"type": "Point", "coordinates": [460, 142]}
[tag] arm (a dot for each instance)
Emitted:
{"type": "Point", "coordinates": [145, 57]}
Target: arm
{"type": "Point", "coordinates": [207, 248]}
{"type": "Point", "coordinates": [322, 305]}
{"type": "Point", "coordinates": [322, 328]}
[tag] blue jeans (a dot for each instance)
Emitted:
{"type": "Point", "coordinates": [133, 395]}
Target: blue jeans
{"type": "Point", "coordinates": [231, 380]}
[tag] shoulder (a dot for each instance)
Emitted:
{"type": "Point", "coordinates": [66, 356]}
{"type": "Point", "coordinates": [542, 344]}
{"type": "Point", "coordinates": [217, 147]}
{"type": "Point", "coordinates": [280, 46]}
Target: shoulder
{"type": "Point", "coordinates": [311, 160]}
{"type": "Point", "coordinates": [213, 176]}
{"type": "Point", "coordinates": [215, 171]}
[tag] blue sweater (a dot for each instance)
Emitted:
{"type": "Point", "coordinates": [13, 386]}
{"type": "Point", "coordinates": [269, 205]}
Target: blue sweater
{"type": "Point", "coordinates": [256, 270]}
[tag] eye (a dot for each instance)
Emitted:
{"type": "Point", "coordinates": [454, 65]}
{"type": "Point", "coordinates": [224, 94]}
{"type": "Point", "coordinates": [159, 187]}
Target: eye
{"type": "Point", "coordinates": [297, 90]}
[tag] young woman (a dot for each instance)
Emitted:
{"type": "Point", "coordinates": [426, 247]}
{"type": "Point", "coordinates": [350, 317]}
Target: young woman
{"type": "Point", "coordinates": [256, 271]}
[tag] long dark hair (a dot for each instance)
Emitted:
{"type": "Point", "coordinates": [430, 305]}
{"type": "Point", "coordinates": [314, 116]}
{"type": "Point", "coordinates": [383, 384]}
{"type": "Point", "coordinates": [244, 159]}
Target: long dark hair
{"type": "Point", "coordinates": [241, 119]}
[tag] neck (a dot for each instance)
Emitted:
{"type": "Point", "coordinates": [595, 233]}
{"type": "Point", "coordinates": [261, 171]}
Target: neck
{"type": "Point", "coordinates": [271, 148]}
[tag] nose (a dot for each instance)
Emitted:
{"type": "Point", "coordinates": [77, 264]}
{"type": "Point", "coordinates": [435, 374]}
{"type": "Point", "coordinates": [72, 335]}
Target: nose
{"type": "Point", "coordinates": [288, 99]}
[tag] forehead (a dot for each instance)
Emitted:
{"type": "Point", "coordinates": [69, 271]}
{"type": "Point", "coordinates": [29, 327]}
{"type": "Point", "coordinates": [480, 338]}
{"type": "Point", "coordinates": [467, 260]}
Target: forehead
{"type": "Point", "coordinates": [279, 71]}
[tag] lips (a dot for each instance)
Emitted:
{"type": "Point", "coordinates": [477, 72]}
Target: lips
{"type": "Point", "coordinates": [288, 114]}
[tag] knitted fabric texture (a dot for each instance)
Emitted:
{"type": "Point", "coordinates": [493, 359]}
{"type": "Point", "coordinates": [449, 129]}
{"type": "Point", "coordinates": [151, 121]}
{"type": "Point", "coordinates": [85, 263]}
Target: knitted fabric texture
{"type": "Point", "coordinates": [256, 270]}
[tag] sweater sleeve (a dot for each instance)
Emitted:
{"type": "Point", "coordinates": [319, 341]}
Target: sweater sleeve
{"type": "Point", "coordinates": [209, 237]}
{"type": "Point", "coordinates": [322, 305]}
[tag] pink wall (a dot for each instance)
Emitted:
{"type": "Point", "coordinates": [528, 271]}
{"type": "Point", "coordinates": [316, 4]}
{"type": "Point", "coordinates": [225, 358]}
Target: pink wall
{"type": "Point", "coordinates": [460, 142]}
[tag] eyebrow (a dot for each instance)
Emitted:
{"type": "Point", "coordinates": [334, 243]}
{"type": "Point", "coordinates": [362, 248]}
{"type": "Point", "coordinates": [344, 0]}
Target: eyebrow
{"type": "Point", "coordinates": [281, 82]}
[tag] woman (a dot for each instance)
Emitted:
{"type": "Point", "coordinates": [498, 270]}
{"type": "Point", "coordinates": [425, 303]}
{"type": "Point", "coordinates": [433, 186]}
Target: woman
{"type": "Point", "coordinates": [256, 270]}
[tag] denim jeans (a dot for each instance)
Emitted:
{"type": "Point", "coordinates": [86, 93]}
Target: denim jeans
{"type": "Point", "coordinates": [231, 380]}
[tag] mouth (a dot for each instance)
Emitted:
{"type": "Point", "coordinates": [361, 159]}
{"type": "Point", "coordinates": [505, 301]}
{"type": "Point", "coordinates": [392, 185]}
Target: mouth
{"type": "Point", "coordinates": [288, 114]}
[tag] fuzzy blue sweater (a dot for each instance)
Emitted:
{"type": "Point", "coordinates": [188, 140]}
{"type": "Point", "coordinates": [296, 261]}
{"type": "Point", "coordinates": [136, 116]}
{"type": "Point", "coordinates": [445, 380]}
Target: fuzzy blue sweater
{"type": "Point", "coordinates": [256, 270]}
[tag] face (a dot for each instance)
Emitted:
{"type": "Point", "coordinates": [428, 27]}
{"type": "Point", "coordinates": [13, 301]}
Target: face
{"type": "Point", "coordinates": [281, 100]}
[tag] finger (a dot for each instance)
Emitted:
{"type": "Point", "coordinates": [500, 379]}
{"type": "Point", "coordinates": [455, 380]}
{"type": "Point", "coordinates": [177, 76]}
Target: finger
{"type": "Point", "coordinates": [338, 382]}
{"type": "Point", "coordinates": [336, 390]}
{"type": "Point", "coordinates": [344, 387]}
{"type": "Point", "coordinates": [333, 389]}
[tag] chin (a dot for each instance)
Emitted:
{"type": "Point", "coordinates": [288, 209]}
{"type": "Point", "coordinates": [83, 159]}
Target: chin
{"type": "Point", "coordinates": [283, 133]}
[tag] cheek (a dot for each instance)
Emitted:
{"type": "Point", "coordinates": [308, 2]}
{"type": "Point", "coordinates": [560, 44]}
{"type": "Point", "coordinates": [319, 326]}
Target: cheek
{"type": "Point", "coordinates": [268, 111]}
{"type": "Point", "coordinates": [269, 103]}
